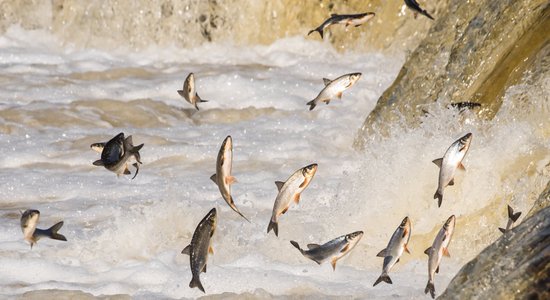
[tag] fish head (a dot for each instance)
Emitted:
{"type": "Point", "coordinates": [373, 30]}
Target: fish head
{"type": "Point", "coordinates": [450, 223]}
{"type": "Point", "coordinates": [406, 226]}
{"type": "Point", "coordinates": [227, 143]}
{"type": "Point", "coordinates": [465, 142]}
{"type": "Point", "coordinates": [309, 171]}
{"type": "Point", "coordinates": [354, 237]}
{"type": "Point", "coordinates": [97, 147]}
{"type": "Point", "coordinates": [353, 77]}
{"type": "Point", "coordinates": [211, 217]}
{"type": "Point", "coordinates": [29, 219]}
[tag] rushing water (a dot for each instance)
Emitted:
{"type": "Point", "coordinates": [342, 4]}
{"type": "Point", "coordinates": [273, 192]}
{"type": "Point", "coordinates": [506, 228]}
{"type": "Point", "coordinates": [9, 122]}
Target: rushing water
{"type": "Point", "coordinates": [125, 236]}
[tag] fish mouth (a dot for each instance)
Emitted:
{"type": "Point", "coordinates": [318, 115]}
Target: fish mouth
{"type": "Point", "coordinates": [450, 220]}
{"type": "Point", "coordinates": [466, 138]}
{"type": "Point", "coordinates": [355, 235]}
{"type": "Point", "coordinates": [405, 222]}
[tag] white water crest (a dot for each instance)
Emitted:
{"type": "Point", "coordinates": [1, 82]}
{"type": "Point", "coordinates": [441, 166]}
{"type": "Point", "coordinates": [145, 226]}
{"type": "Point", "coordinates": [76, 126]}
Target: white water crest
{"type": "Point", "coordinates": [125, 236]}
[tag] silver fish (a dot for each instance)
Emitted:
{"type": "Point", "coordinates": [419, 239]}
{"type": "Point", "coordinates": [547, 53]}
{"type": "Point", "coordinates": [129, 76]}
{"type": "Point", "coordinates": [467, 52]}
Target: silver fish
{"type": "Point", "coordinates": [435, 253]}
{"type": "Point", "coordinates": [222, 178]}
{"type": "Point", "coordinates": [290, 191]}
{"type": "Point", "coordinates": [415, 7]}
{"type": "Point", "coordinates": [512, 217]}
{"type": "Point", "coordinates": [29, 221]}
{"type": "Point", "coordinates": [451, 161]}
{"type": "Point", "coordinates": [116, 155]}
{"type": "Point", "coordinates": [333, 250]}
{"type": "Point", "coordinates": [391, 254]}
{"type": "Point", "coordinates": [189, 92]}
{"type": "Point", "coordinates": [201, 245]}
{"type": "Point", "coordinates": [354, 20]}
{"type": "Point", "coordinates": [334, 88]}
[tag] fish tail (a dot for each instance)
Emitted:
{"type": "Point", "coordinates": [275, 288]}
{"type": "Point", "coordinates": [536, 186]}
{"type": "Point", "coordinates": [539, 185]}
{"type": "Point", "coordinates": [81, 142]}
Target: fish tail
{"type": "Point", "coordinates": [240, 214]}
{"type": "Point", "coordinates": [318, 30]}
{"type": "Point", "coordinates": [136, 165]}
{"type": "Point", "coordinates": [439, 196]}
{"type": "Point", "coordinates": [430, 288]}
{"type": "Point", "coordinates": [513, 216]}
{"type": "Point", "coordinates": [196, 282]}
{"type": "Point", "coordinates": [295, 244]}
{"type": "Point", "coordinates": [424, 12]}
{"type": "Point", "coordinates": [311, 104]}
{"type": "Point", "coordinates": [502, 230]}
{"type": "Point", "coordinates": [52, 232]}
{"type": "Point", "coordinates": [200, 100]}
{"type": "Point", "coordinates": [274, 226]}
{"type": "Point", "coordinates": [384, 277]}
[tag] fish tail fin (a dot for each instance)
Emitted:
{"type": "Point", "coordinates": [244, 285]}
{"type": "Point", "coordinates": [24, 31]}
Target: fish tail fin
{"type": "Point", "coordinates": [52, 232]}
{"type": "Point", "coordinates": [430, 288]}
{"type": "Point", "coordinates": [196, 282]}
{"type": "Point", "coordinates": [311, 104]}
{"type": "Point", "coordinates": [439, 196]}
{"type": "Point", "coordinates": [424, 12]}
{"type": "Point", "coordinates": [513, 216]}
{"type": "Point", "coordinates": [136, 165]}
{"type": "Point", "coordinates": [241, 214]}
{"type": "Point", "coordinates": [384, 277]}
{"type": "Point", "coordinates": [318, 30]}
{"type": "Point", "coordinates": [199, 99]}
{"type": "Point", "coordinates": [502, 230]}
{"type": "Point", "coordinates": [295, 244]}
{"type": "Point", "coordinates": [274, 226]}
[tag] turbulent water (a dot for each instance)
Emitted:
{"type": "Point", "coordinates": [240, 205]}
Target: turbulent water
{"type": "Point", "coordinates": [125, 236]}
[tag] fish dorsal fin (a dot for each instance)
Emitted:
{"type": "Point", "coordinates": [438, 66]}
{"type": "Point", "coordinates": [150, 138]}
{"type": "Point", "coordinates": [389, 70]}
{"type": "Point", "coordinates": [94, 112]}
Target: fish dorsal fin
{"type": "Point", "coordinates": [382, 253]}
{"type": "Point", "coordinates": [437, 270]}
{"type": "Point", "coordinates": [230, 180]}
{"type": "Point", "coordinates": [345, 249]}
{"type": "Point", "coordinates": [461, 167]}
{"type": "Point", "coordinates": [427, 251]}
{"type": "Point", "coordinates": [438, 162]}
{"type": "Point", "coordinates": [452, 182]}
{"type": "Point", "coordinates": [210, 250]}
{"type": "Point", "coordinates": [213, 178]}
{"type": "Point", "coordinates": [313, 246]}
{"type": "Point", "coordinates": [446, 252]}
{"type": "Point", "coordinates": [326, 81]}
{"type": "Point", "coordinates": [186, 250]}
{"type": "Point", "coordinates": [279, 185]}
{"type": "Point", "coordinates": [333, 263]}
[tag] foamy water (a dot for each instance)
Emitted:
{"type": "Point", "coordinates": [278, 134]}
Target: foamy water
{"type": "Point", "coordinates": [125, 236]}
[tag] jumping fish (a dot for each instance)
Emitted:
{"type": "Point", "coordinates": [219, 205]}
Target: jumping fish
{"type": "Point", "coordinates": [333, 250]}
{"type": "Point", "coordinates": [435, 253]}
{"type": "Point", "coordinates": [189, 92]}
{"type": "Point", "coordinates": [334, 88]}
{"type": "Point", "coordinates": [512, 217]}
{"type": "Point", "coordinates": [451, 161]}
{"type": "Point", "coordinates": [391, 254]}
{"type": "Point", "coordinates": [354, 20]}
{"type": "Point", "coordinates": [98, 147]}
{"type": "Point", "coordinates": [116, 155]}
{"type": "Point", "coordinates": [29, 220]}
{"type": "Point", "coordinates": [415, 7]}
{"type": "Point", "coordinates": [222, 178]}
{"type": "Point", "coordinates": [201, 245]}
{"type": "Point", "coordinates": [289, 191]}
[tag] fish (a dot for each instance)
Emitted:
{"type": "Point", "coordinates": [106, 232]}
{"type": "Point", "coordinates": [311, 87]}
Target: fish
{"type": "Point", "coordinates": [116, 155]}
{"type": "Point", "coordinates": [29, 221]}
{"type": "Point", "coordinates": [98, 147]}
{"type": "Point", "coordinates": [200, 247]}
{"type": "Point", "coordinates": [415, 7]}
{"type": "Point", "coordinates": [512, 217]}
{"type": "Point", "coordinates": [223, 178]}
{"type": "Point", "coordinates": [354, 20]}
{"type": "Point", "coordinates": [391, 254]}
{"type": "Point", "coordinates": [334, 88]}
{"type": "Point", "coordinates": [333, 250]}
{"type": "Point", "coordinates": [189, 92]}
{"type": "Point", "coordinates": [439, 248]}
{"type": "Point", "coordinates": [289, 191]}
{"type": "Point", "coordinates": [448, 164]}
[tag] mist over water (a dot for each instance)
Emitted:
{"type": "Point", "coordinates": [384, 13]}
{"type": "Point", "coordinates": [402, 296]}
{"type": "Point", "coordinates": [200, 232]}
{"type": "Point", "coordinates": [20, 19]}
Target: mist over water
{"type": "Point", "coordinates": [125, 236]}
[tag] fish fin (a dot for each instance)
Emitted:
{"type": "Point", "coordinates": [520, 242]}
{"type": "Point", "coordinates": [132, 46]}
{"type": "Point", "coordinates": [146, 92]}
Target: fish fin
{"type": "Point", "coordinates": [333, 15]}
{"type": "Point", "coordinates": [425, 13]}
{"type": "Point", "coordinates": [213, 178]}
{"type": "Point", "coordinates": [126, 171]}
{"type": "Point", "coordinates": [186, 250]}
{"type": "Point", "coordinates": [295, 244]}
{"type": "Point", "coordinates": [382, 253]}
{"type": "Point", "coordinates": [513, 216]}
{"type": "Point", "coordinates": [446, 252]}
{"type": "Point", "coordinates": [333, 263]}
{"type": "Point", "coordinates": [427, 251]}
{"type": "Point", "coordinates": [439, 198]}
{"type": "Point", "coordinates": [438, 162]}
{"type": "Point", "coordinates": [398, 260]}
{"type": "Point", "coordinates": [407, 249]}
{"type": "Point", "coordinates": [196, 282]}
{"type": "Point", "coordinates": [327, 102]}
{"type": "Point", "coordinates": [452, 182]}
{"type": "Point", "coordinates": [204, 269]}
{"type": "Point", "coordinates": [182, 93]}
{"type": "Point", "coordinates": [210, 250]}
{"type": "Point", "coordinates": [279, 185]}
{"type": "Point", "coordinates": [136, 165]}
{"type": "Point", "coordinates": [437, 270]}
{"type": "Point", "coordinates": [274, 226]}
{"type": "Point", "coordinates": [430, 288]}
{"type": "Point", "coordinates": [502, 230]}
{"type": "Point", "coordinates": [357, 25]}
{"type": "Point", "coordinates": [339, 95]}
{"type": "Point", "coordinates": [313, 246]}
{"type": "Point", "coordinates": [230, 180]}
{"type": "Point", "coordinates": [284, 211]}
{"type": "Point", "coordinates": [383, 277]}
{"type": "Point", "coordinates": [237, 210]}
{"type": "Point", "coordinates": [199, 100]}
{"type": "Point", "coordinates": [461, 167]}
{"type": "Point", "coordinates": [98, 163]}
{"type": "Point", "coordinates": [318, 30]}
{"type": "Point", "coordinates": [52, 232]}
{"type": "Point", "coordinates": [344, 249]}
{"type": "Point", "coordinates": [297, 198]}
{"type": "Point", "coordinates": [326, 81]}
{"type": "Point", "coordinates": [197, 105]}
{"type": "Point", "coordinates": [311, 104]}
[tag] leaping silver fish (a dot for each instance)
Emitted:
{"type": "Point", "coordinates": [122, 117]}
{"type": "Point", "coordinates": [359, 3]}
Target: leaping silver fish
{"type": "Point", "coordinates": [354, 20]}
{"type": "Point", "coordinates": [415, 7]}
{"type": "Point", "coordinates": [189, 91]}
{"type": "Point", "coordinates": [334, 88]}
{"type": "Point", "coordinates": [391, 254]}
{"type": "Point", "coordinates": [29, 220]}
{"type": "Point", "coordinates": [333, 250]}
{"type": "Point", "coordinates": [451, 161]}
{"type": "Point", "coordinates": [439, 248]}
{"type": "Point", "coordinates": [116, 153]}
{"type": "Point", "coordinates": [512, 218]}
